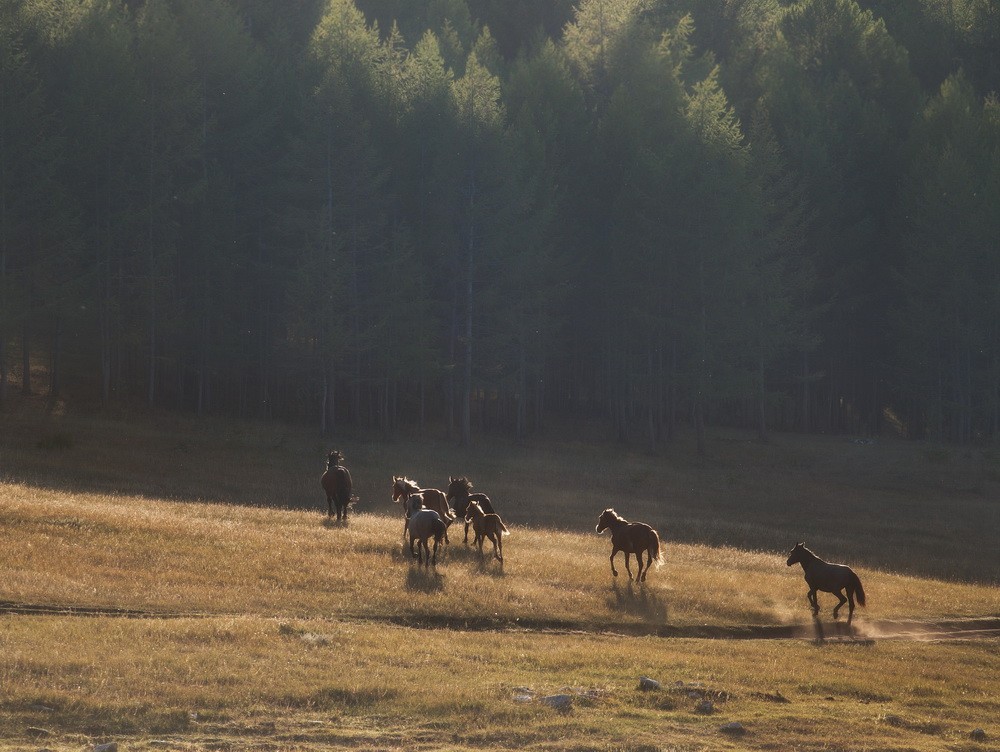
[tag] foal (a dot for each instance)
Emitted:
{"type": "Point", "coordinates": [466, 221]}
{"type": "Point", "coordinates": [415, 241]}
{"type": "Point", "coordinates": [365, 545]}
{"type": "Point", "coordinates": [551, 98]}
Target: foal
{"type": "Point", "coordinates": [486, 526]}
{"type": "Point", "coordinates": [459, 496]}
{"type": "Point", "coordinates": [632, 538]}
{"type": "Point", "coordinates": [830, 578]}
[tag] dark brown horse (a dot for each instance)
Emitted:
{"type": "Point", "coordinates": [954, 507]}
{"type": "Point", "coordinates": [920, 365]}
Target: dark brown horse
{"type": "Point", "coordinates": [830, 578]}
{"type": "Point", "coordinates": [459, 497]}
{"type": "Point", "coordinates": [631, 538]}
{"type": "Point", "coordinates": [431, 498]}
{"type": "Point", "coordinates": [486, 525]}
{"type": "Point", "coordinates": [336, 482]}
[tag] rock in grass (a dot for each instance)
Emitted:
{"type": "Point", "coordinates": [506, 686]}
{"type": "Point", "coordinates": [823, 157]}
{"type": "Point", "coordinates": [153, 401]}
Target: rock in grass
{"type": "Point", "coordinates": [646, 684]}
{"type": "Point", "coordinates": [111, 747]}
{"type": "Point", "coordinates": [562, 703]}
{"type": "Point", "coordinates": [734, 727]}
{"type": "Point", "coordinates": [705, 707]}
{"type": "Point", "coordinates": [977, 735]}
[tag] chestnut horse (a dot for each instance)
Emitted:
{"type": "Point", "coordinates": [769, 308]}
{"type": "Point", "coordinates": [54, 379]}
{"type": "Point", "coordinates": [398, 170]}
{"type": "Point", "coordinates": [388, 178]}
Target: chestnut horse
{"type": "Point", "coordinates": [632, 538]}
{"type": "Point", "coordinates": [486, 525]}
{"type": "Point", "coordinates": [830, 578]}
{"type": "Point", "coordinates": [336, 482]}
{"type": "Point", "coordinates": [431, 498]}
{"type": "Point", "coordinates": [459, 497]}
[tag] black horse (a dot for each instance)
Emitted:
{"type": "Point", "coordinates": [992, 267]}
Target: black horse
{"type": "Point", "coordinates": [830, 578]}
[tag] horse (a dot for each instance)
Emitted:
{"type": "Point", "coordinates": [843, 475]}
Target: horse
{"type": "Point", "coordinates": [486, 525]}
{"type": "Point", "coordinates": [632, 538]}
{"type": "Point", "coordinates": [830, 578]}
{"type": "Point", "coordinates": [458, 495]}
{"type": "Point", "coordinates": [423, 524]}
{"type": "Point", "coordinates": [431, 498]}
{"type": "Point", "coordinates": [336, 482]}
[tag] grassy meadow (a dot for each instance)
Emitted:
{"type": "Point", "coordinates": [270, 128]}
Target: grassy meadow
{"type": "Point", "coordinates": [173, 584]}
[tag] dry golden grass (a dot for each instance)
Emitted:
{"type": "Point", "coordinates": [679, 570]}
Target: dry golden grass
{"type": "Point", "coordinates": [278, 631]}
{"type": "Point", "coordinates": [133, 553]}
{"type": "Point", "coordinates": [256, 683]}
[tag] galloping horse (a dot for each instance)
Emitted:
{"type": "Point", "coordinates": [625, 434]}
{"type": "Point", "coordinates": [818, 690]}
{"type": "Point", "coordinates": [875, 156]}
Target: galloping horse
{"type": "Point", "coordinates": [830, 578]}
{"type": "Point", "coordinates": [486, 525]}
{"type": "Point", "coordinates": [336, 481]}
{"type": "Point", "coordinates": [431, 498]}
{"type": "Point", "coordinates": [423, 524]}
{"type": "Point", "coordinates": [632, 538]}
{"type": "Point", "coordinates": [458, 495]}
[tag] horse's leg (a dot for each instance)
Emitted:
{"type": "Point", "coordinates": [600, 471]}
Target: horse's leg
{"type": "Point", "coordinates": [842, 601]}
{"type": "Point", "coordinates": [850, 604]}
{"type": "Point", "coordinates": [434, 560]}
{"type": "Point", "coordinates": [496, 546]}
{"type": "Point", "coordinates": [641, 577]}
{"type": "Point", "coordinates": [414, 554]}
{"type": "Point", "coordinates": [811, 595]}
{"type": "Point", "coordinates": [499, 545]}
{"type": "Point", "coordinates": [627, 569]}
{"type": "Point", "coordinates": [613, 570]}
{"type": "Point", "coordinates": [467, 523]}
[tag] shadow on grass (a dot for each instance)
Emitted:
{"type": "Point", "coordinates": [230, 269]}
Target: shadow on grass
{"type": "Point", "coordinates": [422, 579]}
{"type": "Point", "coordinates": [638, 600]}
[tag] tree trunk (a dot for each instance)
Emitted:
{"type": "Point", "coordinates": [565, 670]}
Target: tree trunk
{"type": "Point", "coordinates": [55, 375]}
{"type": "Point", "coordinates": [469, 270]}
{"type": "Point", "coordinates": [761, 396]}
{"type": "Point", "coordinates": [26, 359]}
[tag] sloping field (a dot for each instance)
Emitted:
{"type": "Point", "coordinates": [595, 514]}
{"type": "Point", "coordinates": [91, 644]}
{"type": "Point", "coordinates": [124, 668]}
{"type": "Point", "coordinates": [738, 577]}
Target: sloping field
{"type": "Point", "coordinates": [136, 611]}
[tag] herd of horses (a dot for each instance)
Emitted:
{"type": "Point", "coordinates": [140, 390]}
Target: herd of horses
{"type": "Point", "coordinates": [428, 513]}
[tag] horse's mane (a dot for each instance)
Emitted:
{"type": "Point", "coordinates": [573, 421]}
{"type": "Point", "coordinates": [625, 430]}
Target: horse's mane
{"type": "Point", "coordinates": [809, 552]}
{"type": "Point", "coordinates": [334, 458]}
{"type": "Point", "coordinates": [410, 485]}
{"type": "Point", "coordinates": [614, 514]}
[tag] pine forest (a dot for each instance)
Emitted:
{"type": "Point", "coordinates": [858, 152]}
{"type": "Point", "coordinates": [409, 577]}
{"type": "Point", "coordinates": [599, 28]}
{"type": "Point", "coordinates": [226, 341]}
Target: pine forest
{"type": "Point", "coordinates": [482, 215]}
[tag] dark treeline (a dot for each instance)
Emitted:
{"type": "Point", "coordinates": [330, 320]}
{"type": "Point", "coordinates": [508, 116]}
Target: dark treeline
{"type": "Point", "coordinates": [480, 214]}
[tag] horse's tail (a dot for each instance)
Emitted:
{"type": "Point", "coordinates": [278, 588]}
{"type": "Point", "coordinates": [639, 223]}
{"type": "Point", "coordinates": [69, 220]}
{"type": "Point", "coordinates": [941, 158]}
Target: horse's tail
{"type": "Point", "coordinates": [859, 591]}
{"type": "Point", "coordinates": [654, 550]}
{"type": "Point", "coordinates": [503, 527]}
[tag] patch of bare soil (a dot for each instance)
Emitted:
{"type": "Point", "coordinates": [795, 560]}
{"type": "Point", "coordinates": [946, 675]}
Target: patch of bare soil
{"type": "Point", "coordinates": [979, 628]}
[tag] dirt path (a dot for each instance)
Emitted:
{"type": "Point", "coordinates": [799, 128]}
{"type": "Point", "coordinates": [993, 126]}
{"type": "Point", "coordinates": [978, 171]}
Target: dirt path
{"type": "Point", "coordinates": [977, 628]}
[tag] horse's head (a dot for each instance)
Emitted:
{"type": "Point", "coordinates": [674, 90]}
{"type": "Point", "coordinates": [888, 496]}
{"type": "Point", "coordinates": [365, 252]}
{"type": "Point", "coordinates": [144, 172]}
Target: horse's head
{"type": "Point", "coordinates": [402, 488]}
{"type": "Point", "coordinates": [607, 519]}
{"type": "Point", "coordinates": [414, 503]}
{"type": "Point", "coordinates": [334, 458]}
{"type": "Point", "coordinates": [797, 554]}
{"type": "Point", "coordinates": [458, 487]}
{"type": "Point", "coordinates": [473, 510]}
